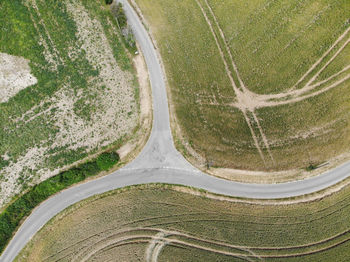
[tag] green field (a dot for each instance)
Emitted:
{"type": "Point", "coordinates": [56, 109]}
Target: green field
{"type": "Point", "coordinates": [256, 85]}
{"type": "Point", "coordinates": [85, 96]}
{"type": "Point", "coordinates": [161, 223]}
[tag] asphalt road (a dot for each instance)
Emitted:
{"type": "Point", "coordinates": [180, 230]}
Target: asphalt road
{"type": "Point", "coordinates": [160, 162]}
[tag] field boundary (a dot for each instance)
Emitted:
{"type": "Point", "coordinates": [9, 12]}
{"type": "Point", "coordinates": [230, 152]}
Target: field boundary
{"type": "Point", "coordinates": [157, 238]}
{"type": "Point", "coordinates": [260, 140]}
{"type": "Point", "coordinates": [128, 148]}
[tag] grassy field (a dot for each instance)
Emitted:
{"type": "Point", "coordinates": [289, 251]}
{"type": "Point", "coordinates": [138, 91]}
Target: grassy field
{"type": "Point", "coordinates": [159, 223]}
{"type": "Point", "coordinates": [82, 95]}
{"type": "Point", "coordinates": [257, 85]}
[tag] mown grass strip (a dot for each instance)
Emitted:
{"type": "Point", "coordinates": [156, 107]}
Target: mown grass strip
{"type": "Point", "coordinates": [13, 215]}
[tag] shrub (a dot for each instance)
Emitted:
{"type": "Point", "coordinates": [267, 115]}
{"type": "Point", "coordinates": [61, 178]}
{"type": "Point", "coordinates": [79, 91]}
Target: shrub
{"type": "Point", "coordinates": [311, 166]}
{"type": "Point", "coordinates": [119, 13]}
{"type": "Point", "coordinates": [108, 2]}
{"type": "Point", "coordinates": [106, 160]}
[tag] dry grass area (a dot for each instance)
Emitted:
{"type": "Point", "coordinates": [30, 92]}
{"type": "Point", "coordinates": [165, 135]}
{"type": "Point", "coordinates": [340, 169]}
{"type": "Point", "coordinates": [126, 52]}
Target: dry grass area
{"type": "Point", "coordinates": [68, 89]}
{"type": "Point", "coordinates": [259, 86]}
{"type": "Point", "coordinates": [164, 223]}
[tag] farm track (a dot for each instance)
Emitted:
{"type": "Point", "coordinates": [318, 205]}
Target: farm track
{"type": "Point", "coordinates": [158, 238]}
{"type": "Point", "coordinates": [159, 162]}
{"type": "Point", "coordinates": [248, 102]}
{"type": "Point", "coordinates": [236, 90]}
{"type": "Point", "coordinates": [155, 246]}
{"type": "Point", "coordinates": [149, 227]}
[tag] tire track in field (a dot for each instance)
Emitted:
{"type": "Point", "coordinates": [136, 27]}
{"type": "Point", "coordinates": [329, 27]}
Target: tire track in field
{"type": "Point", "coordinates": [337, 204]}
{"type": "Point", "coordinates": [223, 244]}
{"type": "Point", "coordinates": [222, 35]}
{"type": "Point", "coordinates": [233, 84]}
{"type": "Point", "coordinates": [243, 103]}
{"type": "Point", "coordinates": [49, 56]}
{"type": "Point", "coordinates": [263, 137]}
{"type": "Point", "coordinates": [248, 101]}
{"type": "Point", "coordinates": [48, 43]}
{"type": "Point", "coordinates": [295, 95]}
{"type": "Point", "coordinates": [308, 87]}
{"type": "Point", "coordinates": [162, 237]}
{"type": "Point", "coordinates": [318, 92]}
{"type": "Point", "coordinates": [300, 94]}
{"type": "Point", "coordinates": [103, 243]}
{"type": "Point", "coordinates": [342, 36]}
{"type": "Point", "coordinates": [155, 246]}
{"type": "Point", "coordinates": [149, 226]}
{"type": "Point", "coordinates": [330, 78]}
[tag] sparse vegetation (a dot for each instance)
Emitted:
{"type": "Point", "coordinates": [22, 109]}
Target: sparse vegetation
{"type": "Point", "coordinates": [119, 14]}
{"type": "Point", "coordinates": [12, 216]}
{"type": "Point", "coordinates": [85, 97]}
{"type": "Point", "coordinates": [146, 221]}
{"type": "Point", "coordinates": [128, 36]}
{"type": "Point", "coordinates": [249, 88]}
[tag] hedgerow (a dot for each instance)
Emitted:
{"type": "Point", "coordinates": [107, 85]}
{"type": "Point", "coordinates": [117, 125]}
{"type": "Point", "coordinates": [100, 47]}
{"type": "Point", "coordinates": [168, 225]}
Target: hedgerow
{"type": "Point", "coordinates": [12, 216]}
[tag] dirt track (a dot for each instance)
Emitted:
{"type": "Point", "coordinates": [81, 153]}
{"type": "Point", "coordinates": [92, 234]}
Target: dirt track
{"type": "Point", "coordinates": [248, 101]}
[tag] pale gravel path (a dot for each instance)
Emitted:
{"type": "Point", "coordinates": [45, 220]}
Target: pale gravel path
{"type": "Point", "coordinates": [160, 162]}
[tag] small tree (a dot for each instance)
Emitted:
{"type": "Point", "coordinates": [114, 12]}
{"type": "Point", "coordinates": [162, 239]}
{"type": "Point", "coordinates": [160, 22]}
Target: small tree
{"type": "Point", "coordinates": [118, 12]}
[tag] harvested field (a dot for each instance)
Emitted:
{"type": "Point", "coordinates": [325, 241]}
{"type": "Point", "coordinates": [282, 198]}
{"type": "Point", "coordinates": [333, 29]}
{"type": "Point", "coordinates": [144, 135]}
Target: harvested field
{"type": "Point", "coordinates": [160, 223]}
{"type": "Point", "coordinates": [260, 85]}
{"type": "Point", "coordinates": [68, 88]}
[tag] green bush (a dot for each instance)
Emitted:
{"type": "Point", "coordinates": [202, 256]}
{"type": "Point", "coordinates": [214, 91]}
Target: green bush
{"type": "Point", "coordinates": [119, 14]}
{"type": "Point", "coordinates": [23, 206]}
{"type": "Point", "coordinates": [106, 160]}
{"type": "Point", "coordinates": [108, 2]}
{"type": "Point", "coordinates": [311, 166]}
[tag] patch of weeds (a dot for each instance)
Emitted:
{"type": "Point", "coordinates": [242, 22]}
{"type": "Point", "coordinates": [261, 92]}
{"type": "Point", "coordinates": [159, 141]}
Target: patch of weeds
{"type": "Point", "coordinates": [125, 29]}
{"type": "Point", "coordinates": [106, 161]}
{"type": "Point", "coordinates": [311, 166]}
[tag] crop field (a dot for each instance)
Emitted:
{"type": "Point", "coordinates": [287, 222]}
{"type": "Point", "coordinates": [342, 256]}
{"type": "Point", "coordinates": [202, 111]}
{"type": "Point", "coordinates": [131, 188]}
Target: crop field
{"type": "Point", "coordinates": [67, 88]}
{"type": "Point", "coordinates": [256, 85]}
{"type": "Point", "coordinates": [166, 223]}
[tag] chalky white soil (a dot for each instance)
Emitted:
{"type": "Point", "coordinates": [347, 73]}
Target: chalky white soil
{"type": "Point", "coordinates": [14, 76]}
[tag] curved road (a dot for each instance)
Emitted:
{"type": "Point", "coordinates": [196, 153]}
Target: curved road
{"type": "Point", "coordinates": [160, 162]}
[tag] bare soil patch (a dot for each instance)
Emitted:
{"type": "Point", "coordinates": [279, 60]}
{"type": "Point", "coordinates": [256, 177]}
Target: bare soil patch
{"type": "Point", "coordinates": [14, 76]}
{"type": "Point", "coordinates": [145, 120]}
